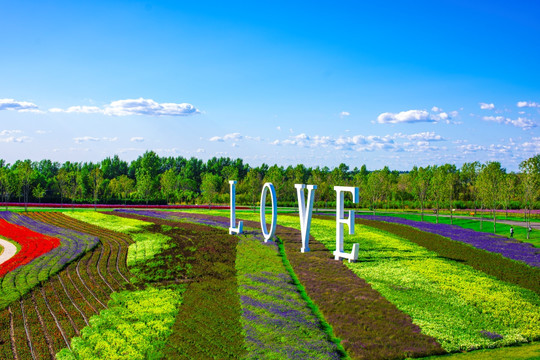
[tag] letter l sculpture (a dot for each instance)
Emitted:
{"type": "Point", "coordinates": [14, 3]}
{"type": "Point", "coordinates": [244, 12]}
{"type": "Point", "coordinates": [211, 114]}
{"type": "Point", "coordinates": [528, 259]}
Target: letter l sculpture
{"type": "Point", "coordinates": [233, 229]}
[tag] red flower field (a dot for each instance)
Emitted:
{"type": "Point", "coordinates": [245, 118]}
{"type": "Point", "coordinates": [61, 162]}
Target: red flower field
{"type": "Point", "coordinates": [33, 244]}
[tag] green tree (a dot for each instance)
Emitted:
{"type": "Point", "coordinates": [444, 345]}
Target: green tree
{"type": "Point", "coordinates": [530, 184]}
{"type": "Point", "coordinates": [377, 187]}
{"type": "Point", "coordinates": [26, 175]}
{"type": "Point", "coordinates": [62, 184]}
{"type": "Point", "coordinates": [121, 187]}
{"type": "Point", "coordinates": [252, 186]}
{"type": "Point", "coordinates": [210, 187]}
{"type": "Point", "coordinates": [421, 178]}
{"type": "Point", "coordinates": [169, 184]}
{"type": "Point", "coordinates": [96, 182]}
{"type": "Point", "coordinates": [468, 175]}
{"type": "Point", "coordinates": [509, 190]}
{"type": "Point", "coordinates": [490, 181]}
{"type": "Point", "coordinates": [9, 183]}
{"type": "Point", "coordinates": [38, 192]}
{"type": "Point", "coordinates": [145, 186]}
{"type": "Point", "coordinates": [403, 187]}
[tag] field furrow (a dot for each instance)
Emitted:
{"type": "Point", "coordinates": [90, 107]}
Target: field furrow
{"type": "Point", "coordinates": [45, 335]}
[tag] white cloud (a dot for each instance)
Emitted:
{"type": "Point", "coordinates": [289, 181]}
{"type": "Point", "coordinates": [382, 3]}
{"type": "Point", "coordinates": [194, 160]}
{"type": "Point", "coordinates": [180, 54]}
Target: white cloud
{"type": "Point", "coordinates": [11, 104]}
{"type": "Point", "coordinates": [528, 104]}
{"type": "Point", "coordinates": [410, 116]}
{"type": "Point", "coordinates": [125, 150]}
{"type": "Point", "coordinates": [78, 109]}
{"type": "Point", "coordinates": [148, 107]}
{"type": "Point", "coordinates": [425, 136]}
{"type": "Point", "coordinates": [200, 150]}
{"type": "Point", "coordinates": [532, 146]}
{"type": "Point", "coordinates": [134, 107]}
{"type": "Point", "coordinates": [13, 139]}
{"type": "Point", "coordinates": [82, 139]}
{"type": "Point", "coordinates": [236, 137]}
{"type": "Point", "coordinates": [520, 122]}
{"type": "Point", "coordinates": [42, 132]}
{"type": "Point", "coordinates": [278, 128]}
{"type": "Point", "coordinates": [485, 106]}
{"type": "Point", "coordinates": [344, 114]}
{"type": "Point", "coordinates": [436, 109]}
{"type": "Point", "coordinates": [441, 116]}
{"type": "Point", "coordinates": [497, 119]}
{"type": "Point", "coordinates": [471, 148]}
{"type": "Point", "coordinates": [9, 132]}
{"type": "Point", "coordinates": [137, 139]}
{"type": "Point", "coordinates": [366, 143]}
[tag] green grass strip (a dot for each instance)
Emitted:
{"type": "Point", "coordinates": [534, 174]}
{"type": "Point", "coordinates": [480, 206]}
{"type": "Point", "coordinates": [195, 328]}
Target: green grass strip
{"type": "Point", "coordinates": [324, 324]}
{"type": "Point", "coordinates": [135, 326]}
{"type": "Point", "coordinates": [493, 264]}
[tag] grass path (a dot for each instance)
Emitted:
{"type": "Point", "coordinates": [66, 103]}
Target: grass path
{"type": "Point", "coordinates": [7, 250]}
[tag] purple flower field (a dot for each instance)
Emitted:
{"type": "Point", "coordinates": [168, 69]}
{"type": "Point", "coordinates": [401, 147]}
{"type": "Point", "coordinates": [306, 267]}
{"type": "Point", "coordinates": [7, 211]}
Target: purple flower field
{"type": "Point", "coordinates": [511, 249]}
{"type": "Point", "coordinates": [175, 216]}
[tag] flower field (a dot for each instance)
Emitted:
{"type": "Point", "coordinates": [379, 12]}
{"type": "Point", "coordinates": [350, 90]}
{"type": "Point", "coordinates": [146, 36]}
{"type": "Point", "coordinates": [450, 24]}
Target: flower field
{"type": "Point", "coordinates": [461, 307]}
{"type": "Point", "coordinates": [32, 244]}
{"type": "Point", "coordinates": [176, 285]}
{"type": "Point", "coordinates": [42, 321]}
{"type": "Point", "coordinates": [58, 246]}
{"type": "Point", "coordinates": [511, 249]}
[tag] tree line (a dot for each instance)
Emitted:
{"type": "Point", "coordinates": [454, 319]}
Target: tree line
{"type": "Point", "coordinates": [151, 179]}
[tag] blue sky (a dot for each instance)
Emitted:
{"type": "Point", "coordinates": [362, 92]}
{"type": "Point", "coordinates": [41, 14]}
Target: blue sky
{"type": "Point", "coordinates": [397, 83]}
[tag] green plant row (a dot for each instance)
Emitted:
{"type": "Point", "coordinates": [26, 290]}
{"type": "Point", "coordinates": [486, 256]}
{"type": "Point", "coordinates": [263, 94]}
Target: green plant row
{"type": "Point", "coordinates": [491, 263]}
{"type": "Point", "coordinates": [277, 319]}
{"type": "Point", "coordinates": [208, 322]}
{"type": "Point", "coordinates": [461, 307]}
{"type": "Point", "coordinates": [135, 326]}
{"type": "Point", "coordinates": [368, 325]}
{"type": "Point", "coordinates": [46, 318]}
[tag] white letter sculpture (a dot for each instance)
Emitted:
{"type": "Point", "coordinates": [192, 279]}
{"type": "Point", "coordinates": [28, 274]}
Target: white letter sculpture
{"type": "Point", "coordinates": [340, 220]}
{"type": "Point", "coordinates": [305, 212]}
{"type": "Point", "coordinates": [233, 229]}
{"type": "Point", "coordinates": [268, 235]}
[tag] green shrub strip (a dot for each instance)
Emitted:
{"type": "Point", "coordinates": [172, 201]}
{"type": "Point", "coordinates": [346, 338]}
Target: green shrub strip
{"type": "Point", "coordinates": [369, 326]}
{"type": "Point", "coordinates": [314, 308]}
{"type": "Point", "coordinates": [208, 324]}
{"type": "Point", "coordinates": [134, 327]}
{"type": "Point", "coordinates": [491, 263]}
{"type": "Point", "coordinates": [460, 306]}
{"type": "Point", "coordinates": [146, 244]}
{"type": "Point", "coordinates": [136, 324]}
{"type": "Point", "coordinates": [277, 320]}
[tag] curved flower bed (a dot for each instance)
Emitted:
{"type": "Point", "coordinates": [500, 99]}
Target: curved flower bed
{"type": "Point", "coordinates": [33, 244]}
{"type": "Point", "coordinates": [499, 244]}
{"type": "Point", "coordinates": [21, 279]}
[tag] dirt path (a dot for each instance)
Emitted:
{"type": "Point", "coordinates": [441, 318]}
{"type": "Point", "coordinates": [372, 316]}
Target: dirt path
{"type": "Point", "coordinates": [9, 251]}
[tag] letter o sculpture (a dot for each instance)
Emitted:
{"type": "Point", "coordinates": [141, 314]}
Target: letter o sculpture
{"type": "Point", "coordinates": [268, 235]}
